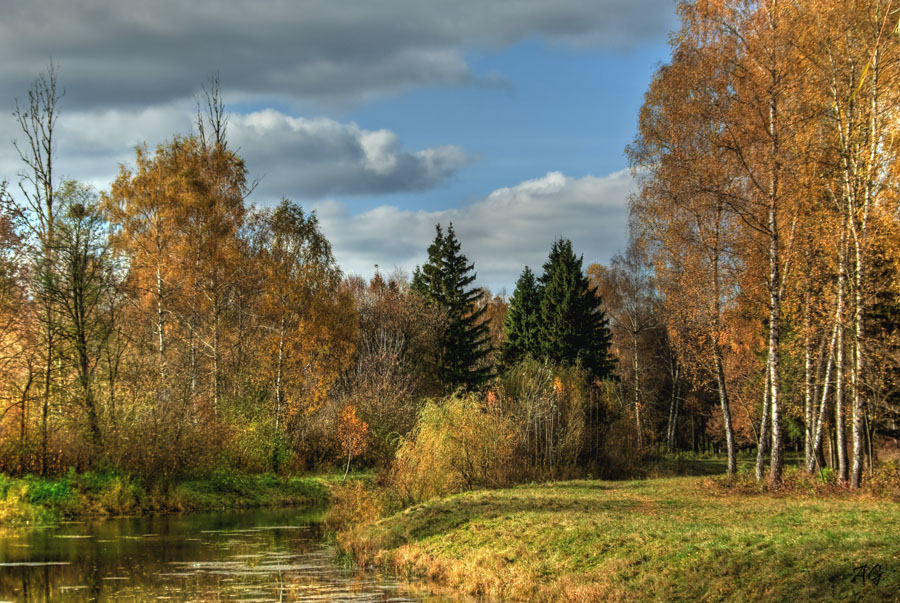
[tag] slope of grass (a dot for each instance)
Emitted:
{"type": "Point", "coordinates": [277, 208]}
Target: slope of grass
{"type": "Point", "coordinates": [665, 539]}
{"type": "Point", "coordinates": [30, 499]}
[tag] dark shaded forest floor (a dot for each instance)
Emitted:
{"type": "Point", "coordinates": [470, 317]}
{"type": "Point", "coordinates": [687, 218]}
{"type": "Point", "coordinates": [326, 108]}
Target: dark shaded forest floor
{"type": "Point", "coordinates": [685, 464]}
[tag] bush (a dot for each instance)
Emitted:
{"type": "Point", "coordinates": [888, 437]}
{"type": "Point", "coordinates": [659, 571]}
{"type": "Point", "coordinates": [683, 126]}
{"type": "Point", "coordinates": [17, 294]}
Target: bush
{"type": "Point", "coordinates": [353, 503]}
{"type": "Point", "coordinates": [885, 480]}
{"type": "Point", "coordinates": [458, 444]}
{"type": "Point", "coordinates": [48, 491]}
{"type": "Point", "coordinates": [227, 481]}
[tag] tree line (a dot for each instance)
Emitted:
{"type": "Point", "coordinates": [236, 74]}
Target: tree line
{"type": "Point", "coordinates": [762, 272]}
{"type": "Point", "coordinates": [168, 326]}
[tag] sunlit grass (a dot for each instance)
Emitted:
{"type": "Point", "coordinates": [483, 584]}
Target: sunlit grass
{"type": "Point", "coordinates": [661, 539]}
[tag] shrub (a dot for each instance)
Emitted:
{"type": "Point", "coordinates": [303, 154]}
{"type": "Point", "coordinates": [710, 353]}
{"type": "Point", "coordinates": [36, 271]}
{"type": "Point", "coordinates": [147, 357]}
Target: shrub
{"type": "Point", "coordinates": [458, 444]}
{"type": "Point", "coordinates": [353, 503]}
{"type": "Point", "coordinates": [228, 481]}
{"type": "Point", "coordinates": [48, 491]}
{"type": "Point", "coordinates": [885, 480]}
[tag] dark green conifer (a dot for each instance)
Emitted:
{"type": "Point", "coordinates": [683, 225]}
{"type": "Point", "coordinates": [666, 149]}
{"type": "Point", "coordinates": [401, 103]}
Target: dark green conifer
{"type": "Point", "coordinates": [464, 344]}
{"type": "Point", "coordinates": [574, 330]}
{"type": "Point", "coordinates": [523, 320]}
{"type": "Point", "coordinates": [428, 280]}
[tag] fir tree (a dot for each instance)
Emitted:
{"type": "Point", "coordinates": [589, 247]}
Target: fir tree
{"type": "Point", "coordinates": [428, 280]}
{"type": "Point", "coordinates": [573, 328]}
{"type": "Point", "coordinates": [523, 320]}
{"type": "Point", "coordinates": [444, 280]}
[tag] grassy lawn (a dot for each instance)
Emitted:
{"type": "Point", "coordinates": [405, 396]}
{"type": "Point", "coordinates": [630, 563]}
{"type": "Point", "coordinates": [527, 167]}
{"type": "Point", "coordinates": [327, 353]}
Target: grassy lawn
{"type": "Point", "coordinates": [684, 538]}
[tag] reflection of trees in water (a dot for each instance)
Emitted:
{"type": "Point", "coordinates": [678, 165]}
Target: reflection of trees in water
{"type": "Point", "coordinates": [83, 581]}
{"type": "Point", "coordinates": [202, 556]}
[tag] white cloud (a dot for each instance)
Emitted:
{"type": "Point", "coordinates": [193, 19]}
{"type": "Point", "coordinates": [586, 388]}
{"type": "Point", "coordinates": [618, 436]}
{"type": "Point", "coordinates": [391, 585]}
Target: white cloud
{"type": "Point", "coordinates": [502, 233]}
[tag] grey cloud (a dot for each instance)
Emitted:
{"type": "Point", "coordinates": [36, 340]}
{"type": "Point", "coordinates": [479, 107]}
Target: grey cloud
{"type": "Point", "coordinates": [315, 157]}
{"type": "Point", "coordinates": [126, 51]}
{"type": "Point", "coordinates": [511, 228]}
{"type": "Point", "coordinates": [294, 156]}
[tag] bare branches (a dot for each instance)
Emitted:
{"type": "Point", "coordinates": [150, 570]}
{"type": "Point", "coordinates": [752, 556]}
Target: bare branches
{"type": "Point", "coordinates": [37, 120]}
{"type": "Point", "coordinates": [211, 114]}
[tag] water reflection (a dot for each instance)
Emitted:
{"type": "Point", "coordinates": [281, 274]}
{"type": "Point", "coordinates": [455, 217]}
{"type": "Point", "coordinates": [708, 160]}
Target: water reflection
{"type": "Point", "coordinates": [260, 555]}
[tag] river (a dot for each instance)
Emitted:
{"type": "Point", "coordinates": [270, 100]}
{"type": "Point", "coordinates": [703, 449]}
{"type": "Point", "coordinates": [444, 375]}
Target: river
{"type": "Point", "coordinates": [256, 555]}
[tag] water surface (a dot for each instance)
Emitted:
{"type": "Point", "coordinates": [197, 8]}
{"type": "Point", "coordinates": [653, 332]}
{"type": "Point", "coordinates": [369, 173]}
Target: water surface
{"type": "Point", "coordinates": [258, 555]}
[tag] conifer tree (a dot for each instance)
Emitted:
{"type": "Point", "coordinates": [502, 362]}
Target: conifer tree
{"type": "Point", "coordinates": [523, 320]}
{"type": "Point", "coordinates": [573, 328]}
{"type": "Point", "coordinates": [444, 280]}
{"type": "Point", "coordinates": [427, 280]}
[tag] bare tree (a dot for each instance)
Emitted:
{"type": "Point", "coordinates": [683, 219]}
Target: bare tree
{"type": "Point", "coordinates": [38, 209]}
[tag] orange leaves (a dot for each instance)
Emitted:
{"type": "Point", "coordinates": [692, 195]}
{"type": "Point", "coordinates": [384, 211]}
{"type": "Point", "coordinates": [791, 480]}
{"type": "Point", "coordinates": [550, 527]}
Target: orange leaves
{"type": "Point", "coordinates": [492, 401]}
{"type": "Point", "coordinates": [352, 432]}
{"type": "Point", "coordinates": [558, 387]}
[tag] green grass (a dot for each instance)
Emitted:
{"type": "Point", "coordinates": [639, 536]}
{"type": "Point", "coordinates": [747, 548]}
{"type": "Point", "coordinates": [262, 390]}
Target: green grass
{"type": "Point", "coordinates": [30, 499]}
{"type": "Point", "coordinates": [664, 539]}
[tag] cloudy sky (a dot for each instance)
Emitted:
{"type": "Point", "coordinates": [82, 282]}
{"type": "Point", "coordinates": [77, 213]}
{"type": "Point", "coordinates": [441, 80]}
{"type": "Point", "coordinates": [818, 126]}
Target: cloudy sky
{"type": "Point", "coordinates": [508, 118]}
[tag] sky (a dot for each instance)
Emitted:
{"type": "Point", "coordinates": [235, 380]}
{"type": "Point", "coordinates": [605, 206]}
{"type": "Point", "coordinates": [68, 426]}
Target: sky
{"type": "Point", "coordinates": [508, 118]}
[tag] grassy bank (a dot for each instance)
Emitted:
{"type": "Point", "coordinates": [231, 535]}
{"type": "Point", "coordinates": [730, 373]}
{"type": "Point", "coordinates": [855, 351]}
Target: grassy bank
{"type": "Point", "coordinates": [30, 500]}
{"type": "Point", "coordinates": [685, 538]}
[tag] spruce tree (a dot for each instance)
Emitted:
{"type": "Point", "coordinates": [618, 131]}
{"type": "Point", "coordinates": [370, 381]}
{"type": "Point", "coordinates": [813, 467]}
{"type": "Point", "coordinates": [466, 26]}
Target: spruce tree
{"type": "Point", "coordinates": [574, 330]}
{"type": "Point", "coordinates": [444, 280]}
{"type": "Point", "coordinates": [427, 280]}
{"type": "Point", "coordinates": [523, 320]}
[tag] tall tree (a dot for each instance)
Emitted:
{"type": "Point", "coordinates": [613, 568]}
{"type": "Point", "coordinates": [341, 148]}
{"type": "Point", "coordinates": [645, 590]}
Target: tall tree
{"type": "Point", "coordinates": [855, 55]}
{"type": "Point", "coordinates": [522, 323]}
{"type": "Point", "coordinates": [445, 279]}
{"type": "Point", "coordinates": [145, 210]}
{"type": "Point", "coordinates": [629, 302]}
{"type": "Point", "coordinates": [574, 329]}
{"type": "Point", "coordinates": [307, 322]}
{"type": "Point", "coordinates": [18, 345]}
{"type": "Point", "coordinates": [80, 284]}
{"type": "Point", "coordinates": [37, 120]}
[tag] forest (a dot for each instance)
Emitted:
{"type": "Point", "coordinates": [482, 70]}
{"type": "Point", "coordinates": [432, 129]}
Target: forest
{"type": "Point", "coordinates": [168, 327]}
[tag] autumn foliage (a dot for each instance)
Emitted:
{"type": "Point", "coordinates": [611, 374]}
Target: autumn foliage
{"type": "Point", "coordinates": [168, 326]}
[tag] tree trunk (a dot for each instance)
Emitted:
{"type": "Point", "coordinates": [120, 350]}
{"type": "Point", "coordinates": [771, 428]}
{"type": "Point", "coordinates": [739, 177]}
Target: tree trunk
{"type": "Point", "coordinates": [762, 444]}
{"type": "Point", "coordinates": [347, 468]}
{"type": "Point", "coordinates": [840, 428]}
{"type": "Point", "coordinates": [726, 410]}
{"type": "Point", "coordinates": [45, 397]}
{"type": "Point", "coordinates": [717, 353]}
{"type": "Point", "coordinates": [673, 411]}
{"type": "Point", "coordinates": [823, 405]}
{"type": "Point", "coordinates": [217, 359]}
{"type": "Point", "coordinates": [860, 244]}
{"type": "Point", "coordinates": [777, 458]}
{"type": "Point", "coordinates": [279, 386]}
{"type": "Point", "coordinates": [808, 393]}
{"type": "Point", "coordinates": [637, 392]}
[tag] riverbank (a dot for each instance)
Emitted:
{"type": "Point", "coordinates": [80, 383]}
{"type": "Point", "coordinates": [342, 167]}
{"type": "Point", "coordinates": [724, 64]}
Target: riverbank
{"type": "Point", "coordinates": [685, 538]}
{"type": "Point", "coordinates": [34, 500]}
